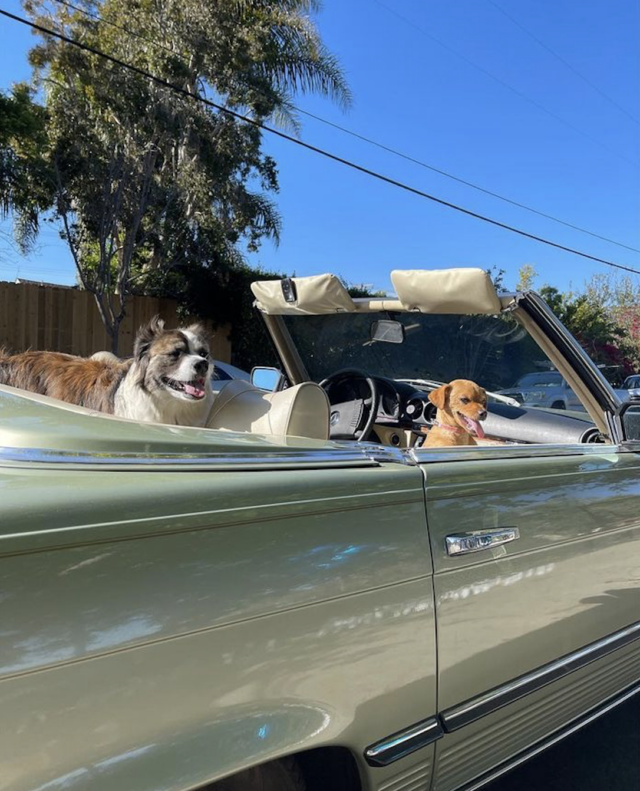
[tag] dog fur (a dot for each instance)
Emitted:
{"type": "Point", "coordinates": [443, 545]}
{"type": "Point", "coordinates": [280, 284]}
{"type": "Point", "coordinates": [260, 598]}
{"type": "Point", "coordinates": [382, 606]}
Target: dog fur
{"type": "Point", "coordinates": [168, 380]}
{"type": "Point", "coordinates": [461, 404]}
{"type": "Point", "coordinates": [106, 357]}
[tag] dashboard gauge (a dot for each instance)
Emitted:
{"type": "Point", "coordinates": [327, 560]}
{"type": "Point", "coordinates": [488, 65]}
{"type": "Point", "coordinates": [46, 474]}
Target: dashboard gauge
{"type": "Point", "coordinates": [390, 405]}
{"type": "Point", "coordinates": [414, 409]}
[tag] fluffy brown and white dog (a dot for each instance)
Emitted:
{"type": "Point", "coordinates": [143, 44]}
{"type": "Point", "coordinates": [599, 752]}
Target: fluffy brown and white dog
{"type": "Point", "coordinates": [168, 380]}
{"type": "Point", "coordinates": [461, 404]}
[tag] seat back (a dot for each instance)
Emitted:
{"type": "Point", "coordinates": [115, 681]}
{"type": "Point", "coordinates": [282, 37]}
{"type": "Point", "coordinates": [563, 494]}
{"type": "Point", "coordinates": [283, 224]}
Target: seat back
{"type": "Point", "coordinates": [299, 411]}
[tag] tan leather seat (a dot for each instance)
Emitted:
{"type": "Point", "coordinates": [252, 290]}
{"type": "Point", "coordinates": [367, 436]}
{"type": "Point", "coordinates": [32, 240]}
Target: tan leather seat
{"type": "Point", "coordinates": [300, 411]}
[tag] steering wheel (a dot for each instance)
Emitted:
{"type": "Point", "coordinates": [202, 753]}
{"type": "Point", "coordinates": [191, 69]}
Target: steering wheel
{"type": "Point", "coordinates": [352, 419]}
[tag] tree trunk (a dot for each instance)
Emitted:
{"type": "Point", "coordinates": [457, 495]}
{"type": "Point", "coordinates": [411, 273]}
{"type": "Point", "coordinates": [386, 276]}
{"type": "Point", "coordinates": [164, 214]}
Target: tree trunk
{"type": "Point", "coordinates": [114, 333]}
{"type": "Point", "coordinates": [110, 322]}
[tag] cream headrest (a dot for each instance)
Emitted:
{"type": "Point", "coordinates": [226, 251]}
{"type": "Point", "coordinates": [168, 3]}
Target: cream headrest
{"type": "Point", "coordinates": [315, 295]}
{"type": "Point", "coordinates": [465, 291]}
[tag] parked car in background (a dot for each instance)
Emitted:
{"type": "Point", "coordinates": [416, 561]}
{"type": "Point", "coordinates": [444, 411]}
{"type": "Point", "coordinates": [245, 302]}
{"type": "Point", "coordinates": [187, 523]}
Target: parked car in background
{"type": "Point", "coordinates": [224, 372]}
{"type": "Point", "coordinates": [632, 385]}
{"type": "Point", "coordinates": [549, 389]}
{"type": "Point", "coordinates": [544, 389]}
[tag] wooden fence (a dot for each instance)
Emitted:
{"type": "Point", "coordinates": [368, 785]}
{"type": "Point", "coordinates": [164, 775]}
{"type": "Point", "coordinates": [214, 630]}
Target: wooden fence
{"type": "Point", "coordinates": [35, 316]}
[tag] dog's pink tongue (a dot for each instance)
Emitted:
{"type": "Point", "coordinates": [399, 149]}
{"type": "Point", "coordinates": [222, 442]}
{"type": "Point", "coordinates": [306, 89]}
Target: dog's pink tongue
{"type": "Point", "coordinates": [473, 425]}
{"type": "Point", "coordinates": [197, 390]}
{"type": "Point", "coordinates": [477, 428]}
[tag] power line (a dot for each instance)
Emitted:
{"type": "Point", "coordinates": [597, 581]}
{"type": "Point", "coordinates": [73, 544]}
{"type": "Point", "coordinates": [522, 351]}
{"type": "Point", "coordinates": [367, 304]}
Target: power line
{"type": "Point", "coordinates": [376, 143]}
{"type": "Point", "coordinates": [504, 84]}
{"type": "Point", "coordinates": [309, 146]}
{"type": "Point", "coordinates": [563, 61]}
{"type": "Point", "coordinates": [460, 180]}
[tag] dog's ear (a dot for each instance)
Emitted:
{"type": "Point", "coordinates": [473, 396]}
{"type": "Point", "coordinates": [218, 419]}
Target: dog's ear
{"type": "Point", "coordinates": [201, 330]}
{"type": "Point", "coordinates": [146, 336]}
{"type": "Point", "coordinates": [439, 397]}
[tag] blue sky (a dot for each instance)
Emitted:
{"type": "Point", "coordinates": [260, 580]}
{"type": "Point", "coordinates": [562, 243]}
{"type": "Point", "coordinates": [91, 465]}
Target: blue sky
{"type": "Point", "coordinates": [461, 87]}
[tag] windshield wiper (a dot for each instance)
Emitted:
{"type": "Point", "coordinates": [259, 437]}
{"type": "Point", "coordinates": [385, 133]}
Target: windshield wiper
{"type": "Point", "coordinates": [433, 383]}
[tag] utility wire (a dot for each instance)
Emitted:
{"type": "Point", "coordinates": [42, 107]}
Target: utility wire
{"type": "Point", "coordinates": [563, 61]}
{"type": "Point", "coordinates": [309, 146]}
{"type": "Point", "coordinates": [504, 84]}
{"type": "Point", "coordinates": [376, 143]}
{"type": "Point", "coordinates": [460, 180]}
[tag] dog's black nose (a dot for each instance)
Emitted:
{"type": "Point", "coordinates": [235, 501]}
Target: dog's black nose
{"type": "Point", "coordinates": [482, 415]}
{"type": "Point", "coordinates": [202, 366]}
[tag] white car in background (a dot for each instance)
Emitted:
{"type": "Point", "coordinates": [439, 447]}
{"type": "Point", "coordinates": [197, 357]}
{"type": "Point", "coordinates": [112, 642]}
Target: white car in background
{"type": "Point", "coordinates": [632, 385]}
{"type": "Point", "coordinates": [223, 372]}
{"type": "Point", "coordinates": [544, 389]}
{"type": "Point", "coordinates": [550, 390]}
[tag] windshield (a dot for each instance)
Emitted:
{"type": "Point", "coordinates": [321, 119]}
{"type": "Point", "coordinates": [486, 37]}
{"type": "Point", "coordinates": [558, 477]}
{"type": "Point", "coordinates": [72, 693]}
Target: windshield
{"type": "Point", "coordinates": [494, 351]}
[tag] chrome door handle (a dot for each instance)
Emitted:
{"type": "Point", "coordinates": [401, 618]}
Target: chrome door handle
{"type": "Point", "coordinates": [477, 540]}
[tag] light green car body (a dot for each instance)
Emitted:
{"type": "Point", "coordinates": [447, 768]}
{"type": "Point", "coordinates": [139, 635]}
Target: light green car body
{"type": "Point", "coordinates": [179, 604]}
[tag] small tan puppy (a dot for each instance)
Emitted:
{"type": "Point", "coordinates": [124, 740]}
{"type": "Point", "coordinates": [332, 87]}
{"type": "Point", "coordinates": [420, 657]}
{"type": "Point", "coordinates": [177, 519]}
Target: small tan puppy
{"type": "Point", "coordinates": [462, 404]}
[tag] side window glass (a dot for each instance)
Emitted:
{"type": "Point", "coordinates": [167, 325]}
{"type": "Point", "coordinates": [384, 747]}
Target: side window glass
{"type": "Point", "coordinates": [631, 423]}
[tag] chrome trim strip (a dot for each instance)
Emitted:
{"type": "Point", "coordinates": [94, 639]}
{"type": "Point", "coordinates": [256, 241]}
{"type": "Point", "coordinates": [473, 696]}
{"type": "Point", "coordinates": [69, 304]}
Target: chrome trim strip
{"type": "Point", "coordinates": [403, 743]}
{"type": "Point", "coordinates": [545, 744]}
{"type": "Point", "coordinates": [381, 453]}
{"type": "Point", "coordinates": [344, 453]}
{"type": "Point", "coordinates": [217, 461]}
{"type": "Point", "coordinates": [482, 705]}
{"type": "Point", "coordinates": [471, 453]}
{"type": "Point", "coordinates": [479, 540]}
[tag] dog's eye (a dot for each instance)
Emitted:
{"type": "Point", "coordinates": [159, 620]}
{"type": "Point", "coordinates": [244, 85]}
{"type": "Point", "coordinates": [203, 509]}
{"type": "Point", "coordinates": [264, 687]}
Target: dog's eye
{"type": "Point", "coordinates": [464, 400]}
{"type": "Point", "coordinates": [175, 353]}
{"type": "Point", "coordinates": [203, 353]}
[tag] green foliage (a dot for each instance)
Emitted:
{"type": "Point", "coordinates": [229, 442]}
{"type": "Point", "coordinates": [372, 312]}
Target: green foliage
{"type": "Point", "coordinates": [361, 290]}
{"type": "Point", "coordinates": [497, 277]}
{"type": "Point", "coordinates": [596, 327]}
{"type": "Point", "coordinates": [604, 317]}
{"type": "Point", "coordinates": [526, 277]}
{"type": "Point", "coordinates": [620, 295]}
{"type": "Point", "coordinates": [26, 185]}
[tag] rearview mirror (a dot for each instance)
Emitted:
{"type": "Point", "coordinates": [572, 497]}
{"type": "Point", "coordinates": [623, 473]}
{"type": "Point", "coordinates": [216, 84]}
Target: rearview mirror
{"type": "Point", "coordinates": [265, 378]}
{"type": "Point", "coordinates": [387, 331]}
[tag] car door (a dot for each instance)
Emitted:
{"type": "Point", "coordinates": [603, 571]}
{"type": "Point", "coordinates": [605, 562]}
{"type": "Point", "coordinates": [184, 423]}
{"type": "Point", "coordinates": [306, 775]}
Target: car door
{"type": "Point", "coordinates": [179, 604]}
{"type": "Point", "coordinates": [542, 625]}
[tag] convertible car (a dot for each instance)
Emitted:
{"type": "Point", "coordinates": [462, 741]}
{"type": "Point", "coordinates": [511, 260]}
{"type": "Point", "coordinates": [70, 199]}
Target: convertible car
{"type": "Point", "coordinates": [303, 597]}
